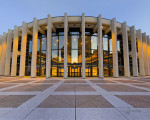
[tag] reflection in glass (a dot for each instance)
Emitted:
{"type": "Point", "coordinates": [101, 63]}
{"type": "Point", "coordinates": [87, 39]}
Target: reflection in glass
{"type": "Point", "coordinates": [54, 73]}
{"type": "Point", "coordinates": [108, 55]}
{"type": "Point", "coordinates": [105, 43]}
{"type": "Point", "coordinates": [91, 56]}
{"type": "Point", "coordinates": [94, 56]}
{"type": "Point", "coordinates": [57, 55]}
{"type": "Point", "coordinates": [94, 42]}
{"type": "Point", "coordinates": [74, 57]}
{"type": "Point", "coordinates": [43, 44]}
{"type": "Point", "coordinates": [41, 56]}
{"type": "Point", "coordinates": [74, 40]}
{"type": "Point", "coordinates": [94, 71]}
{"type": "Point", "coordinates": [61, 42]}
{"type": "Point", "coordinates": [55, 42]}
{"type": "Point", "coordinates": [28, 56]}
{"type": "Point", "coordinates": [61, 56]}
{"type": "Point", "coordinates": [54, 57]}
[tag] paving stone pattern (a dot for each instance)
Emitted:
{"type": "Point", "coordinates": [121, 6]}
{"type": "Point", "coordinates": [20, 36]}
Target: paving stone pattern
{"type": "Point", "coordinates": [74, 98]}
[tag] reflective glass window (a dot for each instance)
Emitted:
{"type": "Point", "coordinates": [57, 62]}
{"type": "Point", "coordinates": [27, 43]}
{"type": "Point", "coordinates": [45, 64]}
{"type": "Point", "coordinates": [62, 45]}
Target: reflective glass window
{"type": "Point", "coordinates": [94, 42]}
{"type": "Point", "coordinates": [61, 42]}
{"type": "Point", "coordinates": [55, 42]}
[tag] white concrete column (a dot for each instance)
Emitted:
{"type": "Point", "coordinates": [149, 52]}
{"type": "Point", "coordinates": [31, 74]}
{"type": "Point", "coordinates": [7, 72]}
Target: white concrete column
{"type": "Point", "coordinates": [65, 44]}
{"type": "Point", "coordinates": [48, 48]}
{"type": "Point", "coordinates": [114, 47]}
{"type": "Point", "coordinates": [100, 47]}
{"type": "Point", "coordinates": [147, 38]}
{"type": "Point", "coordinates": [125, 50]}
{"type": "Point", "coordinates": [23, 50]}
{"type": "Point", "coordinates": [34, 47]}
{"type": "Point", "coordinates": [145, 53]}
{"type": "Point", "coordinates": [83, 46]}
{"type": "Point", "coordinates": [15, 51]}
{"type": "Point", "coordinates": [3, 55]}
{"type": "Point", "coordinates": [8, 52]}
{"type": "Point", "coordinates": [148, 45]}
{"type": "Point", "coordinates": [140, 53]}
{"type": "Point", "coordinates": [134, 51]}
{"type": "Point", "coordinates": [1, 44]}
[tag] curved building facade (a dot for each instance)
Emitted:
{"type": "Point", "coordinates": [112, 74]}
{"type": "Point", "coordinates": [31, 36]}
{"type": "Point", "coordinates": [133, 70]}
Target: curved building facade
{"type": "Point", "coordinates": [74, 46]}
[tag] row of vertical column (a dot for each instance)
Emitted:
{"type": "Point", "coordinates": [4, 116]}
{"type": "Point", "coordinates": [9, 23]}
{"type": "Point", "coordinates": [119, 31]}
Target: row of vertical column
{"type": "Point", "coordinates": [138, 41]}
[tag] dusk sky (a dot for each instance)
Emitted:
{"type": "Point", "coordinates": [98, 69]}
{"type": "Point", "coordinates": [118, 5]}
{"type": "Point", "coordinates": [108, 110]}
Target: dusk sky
{"type": "Point", "coordinates": [134, 12]}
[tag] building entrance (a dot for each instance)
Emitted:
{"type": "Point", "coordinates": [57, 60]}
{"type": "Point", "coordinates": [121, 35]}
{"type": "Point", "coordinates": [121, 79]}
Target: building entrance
{"type": "Point", "coordinates": [74, 71]}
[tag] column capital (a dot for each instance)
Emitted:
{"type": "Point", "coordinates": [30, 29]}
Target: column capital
{"type": "Point", "coordinates": [49, 16]}
{"type": "Point", "coordinates": [65, 14]}
{"type": "Point", "coordinates": [4, 34]}
{"type": "Point", "coordinates": [100, 16]}
{"type": "Point", "coordinates": [124, 24]}
{"type": "Point", "coordinates": [34, 18]}
{"type": "Point", "coordinates": [132, 27]}
{"type": "Point", "coordinates": [114, 19]}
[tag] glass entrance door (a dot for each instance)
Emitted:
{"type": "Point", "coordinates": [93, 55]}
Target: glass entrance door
{"type": "Point", "coordinates": [74, 71]}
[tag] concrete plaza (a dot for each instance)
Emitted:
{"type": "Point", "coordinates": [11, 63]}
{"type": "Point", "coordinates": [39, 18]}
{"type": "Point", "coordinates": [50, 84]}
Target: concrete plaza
{"type": "Point", "coordinates": [74, 98]}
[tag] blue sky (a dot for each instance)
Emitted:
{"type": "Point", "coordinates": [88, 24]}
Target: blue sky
{"type": "Point", "coordinates": [134, 12]}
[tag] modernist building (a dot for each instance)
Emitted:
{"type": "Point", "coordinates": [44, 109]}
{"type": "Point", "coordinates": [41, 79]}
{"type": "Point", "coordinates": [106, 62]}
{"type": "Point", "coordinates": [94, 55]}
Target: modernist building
{"type": "Point", "coordinates": [74, 46]}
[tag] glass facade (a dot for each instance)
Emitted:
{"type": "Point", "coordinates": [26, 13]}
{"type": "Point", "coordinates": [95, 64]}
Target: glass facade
{"type": "Point", "coordinates": [74, 54]}
{"type": "Point", "coordinates": [18, 58]}
{"type": "Point", "coordinates": [108, 55]}
{"type": "Point", "coordinates": [91, 56]}
{"type": "Point", "coordinates": [57, 55]}
{"type": "Point", "coordinates": [28, 56]}
{"type": "Point", "coordinates": [41, 56]}
{"type": "Point", "coordinates": [74, 26]}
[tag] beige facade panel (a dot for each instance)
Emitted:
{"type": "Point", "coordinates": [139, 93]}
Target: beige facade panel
{"type": "Point", "coordinates": [3, 55]}
{"type": "Point", "coordinates": [15, 51]}
{"type": "Point", "coordinates": [134, 52]}
{"type": "Point", "coordinates": [140, 53]}
{"type": "Point", "coordinates": [8, 52]}
{"type": "Point", "coordinates": [23, 50]}
{"type": "Point", "coordinates": [145, 55]}
{"type": "Point", "coordinates": [34, 48]}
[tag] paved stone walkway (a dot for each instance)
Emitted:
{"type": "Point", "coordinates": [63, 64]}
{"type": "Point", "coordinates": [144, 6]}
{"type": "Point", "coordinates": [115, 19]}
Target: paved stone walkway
{"type": "Point", "coordinates": [74, 99]}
